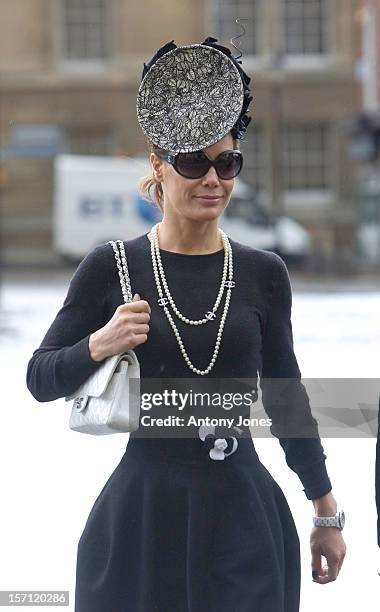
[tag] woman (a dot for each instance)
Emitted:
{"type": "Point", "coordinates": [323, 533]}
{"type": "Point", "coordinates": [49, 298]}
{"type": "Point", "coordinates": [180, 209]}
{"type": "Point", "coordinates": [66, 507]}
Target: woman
{"type": "Point", "coordinates": [194, 524]}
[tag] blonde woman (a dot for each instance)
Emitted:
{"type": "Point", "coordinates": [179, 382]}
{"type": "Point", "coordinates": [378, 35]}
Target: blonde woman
{"type": "Point", "coordinates": [193, 524]}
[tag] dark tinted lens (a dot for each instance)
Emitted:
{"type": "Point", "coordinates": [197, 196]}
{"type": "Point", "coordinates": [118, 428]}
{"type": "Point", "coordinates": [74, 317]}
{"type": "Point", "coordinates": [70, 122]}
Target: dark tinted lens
{"type": "Point", "coordinates": [229, 164]}
{"type": "Point", "coordinates": [192, 165]}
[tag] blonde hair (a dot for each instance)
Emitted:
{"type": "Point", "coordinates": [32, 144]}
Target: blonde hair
{"type": "Point", "coordinates": [149, 182]}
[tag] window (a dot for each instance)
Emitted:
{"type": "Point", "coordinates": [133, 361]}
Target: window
{"type": "Point", "coordinates": [305, 157]}
{"type": "Point", "coordinates": [253, 149]}
{"type": "Point", "coordinates": [225, 13]}
{"type": "Point", "coordinates": [86, 141]}
{"type": "Point", "coordinates": [305, 26]}
{"type": "Point", "coordinates": [85, 30]}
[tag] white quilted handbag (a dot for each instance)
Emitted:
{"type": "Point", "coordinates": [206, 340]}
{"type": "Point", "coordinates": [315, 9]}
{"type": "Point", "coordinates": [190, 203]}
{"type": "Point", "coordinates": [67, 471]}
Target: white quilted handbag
{"type": "Point", "coordinates": [109, 400]}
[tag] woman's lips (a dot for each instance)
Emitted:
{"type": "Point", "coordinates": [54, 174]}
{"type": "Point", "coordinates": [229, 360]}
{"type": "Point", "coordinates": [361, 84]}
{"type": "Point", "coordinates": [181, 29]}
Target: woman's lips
{"type": "Point", "coordinates": [210, 198]}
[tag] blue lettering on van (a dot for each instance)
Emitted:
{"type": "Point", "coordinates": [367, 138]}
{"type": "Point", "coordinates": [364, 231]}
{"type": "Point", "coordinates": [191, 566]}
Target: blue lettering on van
{"type": "Point", "coordinates": [91, 206]}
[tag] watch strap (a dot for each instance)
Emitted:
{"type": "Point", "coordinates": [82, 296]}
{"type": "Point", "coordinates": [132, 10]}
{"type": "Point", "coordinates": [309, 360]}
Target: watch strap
{"type": "Point", "coordinates": [330, 521]}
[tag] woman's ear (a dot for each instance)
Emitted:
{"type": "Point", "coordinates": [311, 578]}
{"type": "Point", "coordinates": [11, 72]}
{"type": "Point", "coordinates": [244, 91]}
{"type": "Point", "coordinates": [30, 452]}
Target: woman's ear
{"type": "Point", "coordinates": [157, 166]}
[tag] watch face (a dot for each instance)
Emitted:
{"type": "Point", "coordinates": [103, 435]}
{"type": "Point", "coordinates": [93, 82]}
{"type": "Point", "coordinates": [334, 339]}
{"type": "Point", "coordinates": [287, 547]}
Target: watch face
{"type": "Point", "coordinates": [342, 519]}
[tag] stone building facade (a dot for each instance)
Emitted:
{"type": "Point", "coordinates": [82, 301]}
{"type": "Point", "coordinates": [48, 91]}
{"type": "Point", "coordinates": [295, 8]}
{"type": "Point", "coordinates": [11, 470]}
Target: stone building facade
{"type": "Point", "coordinates": [76, 65]}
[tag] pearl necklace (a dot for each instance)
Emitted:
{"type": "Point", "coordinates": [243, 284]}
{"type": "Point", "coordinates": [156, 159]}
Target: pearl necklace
{"type": "Point", "coordinates": [210, 315]}
{"type": "Point", "coordinates": [162, 301]}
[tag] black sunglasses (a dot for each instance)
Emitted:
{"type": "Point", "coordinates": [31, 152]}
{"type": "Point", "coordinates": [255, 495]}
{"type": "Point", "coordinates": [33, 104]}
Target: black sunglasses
{"type": "Point", "coordinates": [196, 164]}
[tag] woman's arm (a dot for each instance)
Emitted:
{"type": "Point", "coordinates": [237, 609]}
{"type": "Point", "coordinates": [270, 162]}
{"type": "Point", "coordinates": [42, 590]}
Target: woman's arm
{"type": "Point", "coordinates": [286, 400]}
{"type": "Point", "coordinates": [325, 505]}
{"type": "Point", "coordinates": [63, 360]}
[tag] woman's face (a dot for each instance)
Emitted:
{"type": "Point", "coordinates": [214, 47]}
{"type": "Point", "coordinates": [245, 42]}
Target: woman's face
{"type": "Point", "coordinates": [183, 196]}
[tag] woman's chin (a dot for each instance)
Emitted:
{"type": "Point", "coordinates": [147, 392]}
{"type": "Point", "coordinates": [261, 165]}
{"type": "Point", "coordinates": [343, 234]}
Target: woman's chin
{"type": "Point", "coordinates": [208, 212]}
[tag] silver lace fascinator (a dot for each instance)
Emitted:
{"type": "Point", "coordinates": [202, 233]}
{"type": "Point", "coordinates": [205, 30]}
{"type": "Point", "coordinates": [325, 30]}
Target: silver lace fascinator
{"type": "Point", "coordinates": [192, 96]}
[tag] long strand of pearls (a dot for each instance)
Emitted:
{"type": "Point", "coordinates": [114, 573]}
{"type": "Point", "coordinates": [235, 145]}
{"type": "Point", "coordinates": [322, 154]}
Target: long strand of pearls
{"type": "Point", "coordinates": [163, 301]}
{"type": "Point", "coordinates": [210, 315]}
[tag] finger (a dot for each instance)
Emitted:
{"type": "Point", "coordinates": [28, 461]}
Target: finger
{"type": "Point", "coordinates": [141, 328]}
{"type": "Point", "coordinates": [333, 569]}
{"type": "Point", "coordinates": [320, 576]}
{"type": "Point", "coordinates": [341, 562]}
{"type": "Point", "coordinates": [140, 338]}
{"type": "Point", "coordinates": [138, 306]}
{"type": "Point", "coordinates": [136, 297]}
{"type": "Point", "coordinates": [139, 317]}
{"type": "Point", "coordinates": [316, 564]}
{"type": "Point", "coordinates": [329, 573]}
{"type": "Point", "coordinates": [144, 306]}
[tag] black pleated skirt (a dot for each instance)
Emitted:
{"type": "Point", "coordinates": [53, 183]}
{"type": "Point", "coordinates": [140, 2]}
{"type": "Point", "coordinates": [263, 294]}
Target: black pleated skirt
{"type": "Point", "coordinates": [175, 531]}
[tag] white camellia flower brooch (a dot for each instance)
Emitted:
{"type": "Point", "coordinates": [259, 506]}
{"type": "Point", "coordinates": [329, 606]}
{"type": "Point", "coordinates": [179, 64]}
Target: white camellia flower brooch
{"type": "Point", "coordinates": [219, 447]}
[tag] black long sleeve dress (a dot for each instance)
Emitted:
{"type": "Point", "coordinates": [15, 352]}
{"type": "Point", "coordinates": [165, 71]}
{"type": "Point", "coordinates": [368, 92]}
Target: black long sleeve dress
{"type": "Point", "coordinates": [173, 530]}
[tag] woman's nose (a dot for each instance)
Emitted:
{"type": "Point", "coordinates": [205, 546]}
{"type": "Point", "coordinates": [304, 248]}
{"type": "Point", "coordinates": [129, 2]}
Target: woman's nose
{"type": "Point", "coordinates": [211, 177]}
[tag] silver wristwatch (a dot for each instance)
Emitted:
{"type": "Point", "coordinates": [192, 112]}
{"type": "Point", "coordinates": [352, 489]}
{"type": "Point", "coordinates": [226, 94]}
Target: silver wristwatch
{"type": "Point", "coordinates": [330, 521]}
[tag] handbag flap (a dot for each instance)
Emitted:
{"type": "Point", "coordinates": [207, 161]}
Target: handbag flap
{"type": "Point", "coordinates": [97, 383]}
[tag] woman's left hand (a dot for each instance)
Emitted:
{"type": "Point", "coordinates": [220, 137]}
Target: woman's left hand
{"type": "Point", "coordinates": [326, 541]}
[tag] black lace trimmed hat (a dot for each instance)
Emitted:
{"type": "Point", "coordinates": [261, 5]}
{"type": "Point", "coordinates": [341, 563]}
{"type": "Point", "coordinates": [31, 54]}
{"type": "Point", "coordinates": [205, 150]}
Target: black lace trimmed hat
{"type": "Point", "coordinates": [192, 96]}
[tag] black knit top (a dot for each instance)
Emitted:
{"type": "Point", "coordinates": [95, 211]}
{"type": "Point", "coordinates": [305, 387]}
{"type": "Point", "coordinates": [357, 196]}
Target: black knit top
{"type": "Point", "coordinates": [257, 336]}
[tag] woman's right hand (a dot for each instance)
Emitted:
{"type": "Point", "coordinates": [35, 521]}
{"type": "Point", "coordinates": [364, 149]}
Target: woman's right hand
{"type": "Point", "coordinates": [127, 328]}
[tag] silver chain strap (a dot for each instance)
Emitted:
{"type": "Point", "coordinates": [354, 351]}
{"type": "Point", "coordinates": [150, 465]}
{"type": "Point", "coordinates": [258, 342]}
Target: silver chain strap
{"type": "Point", "coordinates": [122, 266]}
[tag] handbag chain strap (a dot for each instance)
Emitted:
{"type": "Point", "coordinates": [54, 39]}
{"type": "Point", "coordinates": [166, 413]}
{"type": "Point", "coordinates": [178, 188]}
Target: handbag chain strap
{"type": "Point", "coordinates": [122, 266]}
